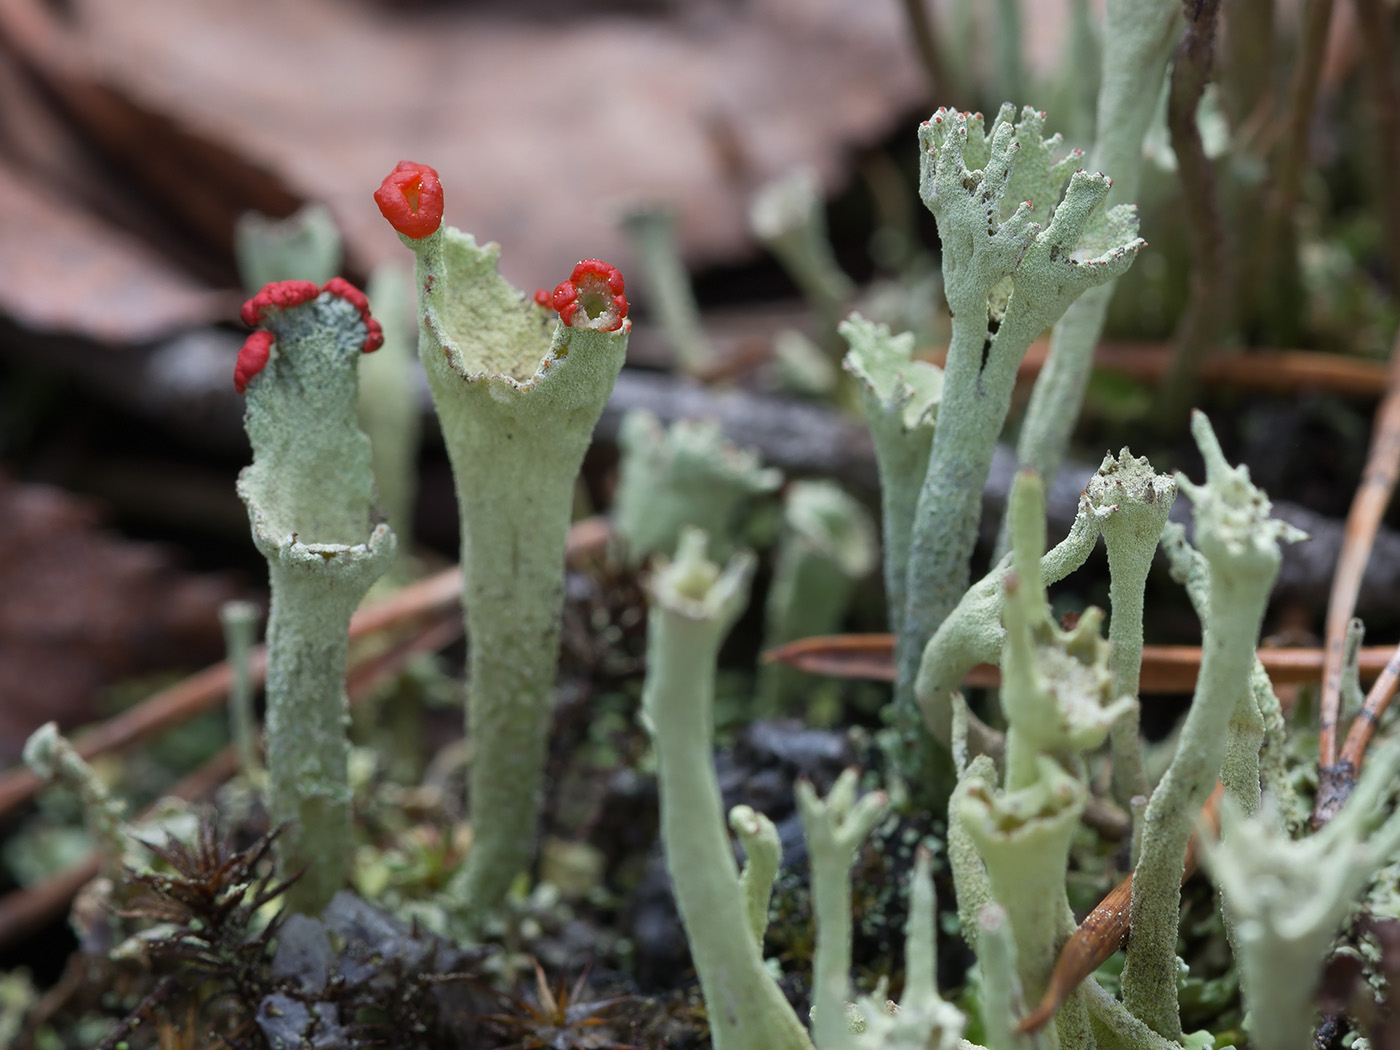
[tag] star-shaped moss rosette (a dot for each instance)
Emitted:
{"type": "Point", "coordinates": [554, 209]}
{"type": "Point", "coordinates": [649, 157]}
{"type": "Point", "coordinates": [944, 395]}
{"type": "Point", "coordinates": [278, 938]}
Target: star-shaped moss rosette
{"type": "Point", "coordinates": [310, 497]}
{"type": "Point", "coordinates": [517, 396]}
{"type": "Point", "coordinates": [1016, 253]}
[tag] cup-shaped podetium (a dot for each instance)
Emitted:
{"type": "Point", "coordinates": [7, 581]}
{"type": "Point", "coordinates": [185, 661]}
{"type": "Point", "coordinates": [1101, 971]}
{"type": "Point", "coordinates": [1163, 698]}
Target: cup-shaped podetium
{"type": "Point", "coordinates": [310, 498]}
{"type": "Point", "coordinates": [517, 395]}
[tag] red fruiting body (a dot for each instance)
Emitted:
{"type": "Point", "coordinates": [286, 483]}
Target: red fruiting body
{"type": "Point", "coordinates": [251, 359]}
{"type": "Point", "coordinates": [543, 298]}
{"type": "Point", "coordinates": [565, 300]}
{"type": "Point", "coordinates": [279, 295]}
{"type": "Point", "coordinates": [596, 287]}
{"type": "Point", "coordinates": [356, 298]}
{"type": "Point", "coordinates": [410, 197]}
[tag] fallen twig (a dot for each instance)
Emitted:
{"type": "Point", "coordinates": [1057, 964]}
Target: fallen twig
{"type": "Point", "coordinates": [1368, 507]}
{"type": "Point", "coordinates": [24, 911]}
{"type": "Point", "coordinates": [208, 689]}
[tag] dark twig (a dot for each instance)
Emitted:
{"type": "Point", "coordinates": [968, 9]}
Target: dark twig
{"type": "Point", "coordinates": [1373, 496]}
{"type": "Point", "coordinates": [1377, 29]}
{"type": "Point", "coordinates": [145, 1010]}
{"type": "Point", "coordinates": [926, 44]}
{"type": "Point", "coordinates": [1271, 268]}
{"type": "Point", "coordinates": [207, 689]}
{"type": "Point", "coordinates": [1205, 317]}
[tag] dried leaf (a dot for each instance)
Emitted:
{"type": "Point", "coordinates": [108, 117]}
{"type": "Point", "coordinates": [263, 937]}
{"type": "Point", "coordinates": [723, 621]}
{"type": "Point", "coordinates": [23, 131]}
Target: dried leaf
{"type": "Point", "coordinates": [84, 608]}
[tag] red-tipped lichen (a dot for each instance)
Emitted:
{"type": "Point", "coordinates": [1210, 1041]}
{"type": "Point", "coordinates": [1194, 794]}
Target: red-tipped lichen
{"type": "Point", "coordinates": [251, 359]}
{"type": "Point", "coordinates": [592, 297]}
{"type": "Point", "coordinates": [544, 298]}
{"type": "Point", "coordinates": [410, 197]}
{"type": "Point", "coordinates": [374, 337]}
{"type": "Point", "coordinates": [279, 295]}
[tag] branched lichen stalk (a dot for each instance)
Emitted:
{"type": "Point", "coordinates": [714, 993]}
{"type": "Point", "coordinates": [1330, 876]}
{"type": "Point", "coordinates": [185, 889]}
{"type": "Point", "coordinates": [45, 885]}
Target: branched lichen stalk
{"type": "Point", "coordinates": [1134, 503]}
{"type": "Point", "coordinates": [994, 252]}
{"type": "Point", "coordinates": [1241, 544]}
{"type": "Point", "coordinates": [835, 828]}
{"type": "Point", "coordinates": [1138, 39]}
{"type": "Point", "coordinates": [900, 395]}
{"type": "Point", "coordinates": [693, 605]}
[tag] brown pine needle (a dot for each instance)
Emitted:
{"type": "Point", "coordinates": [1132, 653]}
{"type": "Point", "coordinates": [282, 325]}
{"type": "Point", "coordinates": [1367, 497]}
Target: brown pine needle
{"type": "Point", "coordinates": [207, 689]}
{"type": "Point", "coordinates": [1105, 929]}
{"type": "Point", "coordinates": [1165, 668]}
{"type": "Point", "coordinates": [1278, 371]}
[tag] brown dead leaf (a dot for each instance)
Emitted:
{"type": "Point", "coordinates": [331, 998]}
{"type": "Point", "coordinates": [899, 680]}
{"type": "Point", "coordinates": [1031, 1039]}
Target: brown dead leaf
{"type": "Point", "coordinates": [538, 126]}
{"type": "Point", "coordinates": [64, 271]}
{"type": "Point", "coordinates": [83, 608]}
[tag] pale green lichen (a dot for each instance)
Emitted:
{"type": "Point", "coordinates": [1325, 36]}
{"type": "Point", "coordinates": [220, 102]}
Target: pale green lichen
{"type": "Point", "coordinates": [763, 853]}
{"type": "Point", "coordinates": [693, 605]}
{"type": "Point", "coordinates": [305, 246]}
{"type": "Point", "coordinates": [1139, 36]}
{"type": "Point", "coordinates": [51, 758]}
{"type": "Point", "coordinates": [998, 262]}
{"type": "Point", "coordinates": [973, 633]}
{"type": "Point", "coordinates": [1240, 544]}
{"type": "Point", "coordinates": [685, 475]}
{"type": "Point", "coordinates": [517, 397]}
{"type": "Point", "coordinates": [922, 1020]}
{"type": "Point", "coordinates": [827, 546]}
{"type": "Point", "coordinates": [1058, 694]}
{"type": "Point", "coordinates": [1023, 838]}
{"type": "Point", "coordinates": [1133, 502]}
{"type": "Point", "coordinates": [900, 395]}
{"type": "Point", "coordinates": [835, 828]}
{"type": "Point", "coordinates": [651, 226]}
{"type": "Point", "coordinates": [1288, 897]}
{"type": "Point", "coordinates": [310, 492]}
{"type": "Point", "coordinates": [239, 620]}
{"type": "Point", "coordinates": [788, 216]}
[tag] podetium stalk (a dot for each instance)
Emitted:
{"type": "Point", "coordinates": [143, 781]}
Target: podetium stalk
{"type": "Point", "coordinates": [1240, 542]}
{"type": "Point", "coordinates": [694, 603]}
{"type": "Point", "coordinates": [517, 403]}
{"type": "Point", "coordinates": [1006, 278]}
{"type": "Point", "coordinates": [310, 494]}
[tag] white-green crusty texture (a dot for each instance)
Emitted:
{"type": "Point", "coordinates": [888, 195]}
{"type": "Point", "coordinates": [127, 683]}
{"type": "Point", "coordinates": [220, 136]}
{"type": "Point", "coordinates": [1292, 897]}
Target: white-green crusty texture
{"type": "Point", "coordinates": [685, 475]}
{"type": "Point", "coordinates": [310, 492]}
{"type": "Point", "coordinates": [1057, 691]}
{"type": "Point", "coordinates": [973, 634]}
{"type": "Point", "coordinates": [835, 828]}
{"type": "Point", "coordinates": [900, 395]}
{"type": "Point", "coordinates": [693, 605]}
{"type": "Point", "coordinates": [1132, 502]}
{"type": "Point", "coordinates": [517, 397]}
{"type": "Point", "coordinates": [1139, 38]}
{"type": "Point", "coordinates": [1288, 897]}
{"type": "Point", "coordinates": [1240, 543]}
{"type": "Point", "coordinates": [1015, 252]}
